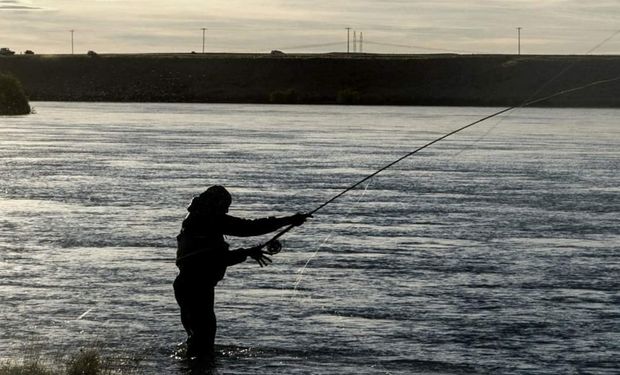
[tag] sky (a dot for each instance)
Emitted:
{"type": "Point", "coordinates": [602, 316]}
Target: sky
{"type": "Point", "coordinates": [387, 26]}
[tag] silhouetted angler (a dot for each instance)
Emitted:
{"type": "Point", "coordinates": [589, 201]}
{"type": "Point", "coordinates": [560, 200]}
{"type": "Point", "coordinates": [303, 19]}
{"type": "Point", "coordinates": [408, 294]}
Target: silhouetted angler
{"type": "Point", "coordinates": [202, 258]}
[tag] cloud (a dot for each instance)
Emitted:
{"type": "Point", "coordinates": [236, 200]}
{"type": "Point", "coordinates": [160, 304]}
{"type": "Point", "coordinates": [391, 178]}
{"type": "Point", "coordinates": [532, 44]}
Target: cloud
{"type": "Point", "coordinates": [550, 26]}
{"type": "Point", "coordinates": [15, 5]}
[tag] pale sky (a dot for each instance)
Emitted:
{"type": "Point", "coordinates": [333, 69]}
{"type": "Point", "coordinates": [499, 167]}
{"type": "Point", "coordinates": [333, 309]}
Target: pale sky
{"type": "Point", "coordinates": [388, 26]}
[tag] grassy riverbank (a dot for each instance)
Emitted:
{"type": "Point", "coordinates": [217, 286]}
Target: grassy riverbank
{"type": "Point", "coordinates": [472, 80]}
{"type": "Point", "coordinates": [82, 362]}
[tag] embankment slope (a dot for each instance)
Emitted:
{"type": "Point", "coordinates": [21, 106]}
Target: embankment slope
{"type": "Point", "coordinates": [477, 80]}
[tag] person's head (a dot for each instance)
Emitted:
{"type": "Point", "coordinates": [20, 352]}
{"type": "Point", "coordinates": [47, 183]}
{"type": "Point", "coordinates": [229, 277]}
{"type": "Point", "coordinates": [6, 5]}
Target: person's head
{"type": "Point", "coordinates": [215, 200]}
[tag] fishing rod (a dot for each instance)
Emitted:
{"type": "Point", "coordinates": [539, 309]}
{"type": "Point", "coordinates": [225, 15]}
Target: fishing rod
{"type": "Point", "coordinates": [274, 246]}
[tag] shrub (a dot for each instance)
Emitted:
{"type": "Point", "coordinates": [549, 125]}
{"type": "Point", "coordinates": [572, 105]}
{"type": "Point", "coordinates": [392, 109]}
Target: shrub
{"type": "Point", "coordinates": [86, 362]}
{"type": "Point", "coordinates": [289, 96]}
{"type": "Point", "coordinates": [348, 96]}
{"type": "Point", "coordinates": [13, 100]}
{"type": "Point", "coordinates": [6, 52]}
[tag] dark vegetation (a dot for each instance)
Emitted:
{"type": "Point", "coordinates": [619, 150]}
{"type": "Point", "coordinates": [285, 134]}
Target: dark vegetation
{"type": "Point", "coordinates": [472, 80]}
{"type": "Point", "coordinates": [13, 100]}
{"type": "Point", "coordinates": [289, 96]}
{"type": "Point", "coordinates": [83, 362]}
{"type": "Point", "coordinates": [6, 52]}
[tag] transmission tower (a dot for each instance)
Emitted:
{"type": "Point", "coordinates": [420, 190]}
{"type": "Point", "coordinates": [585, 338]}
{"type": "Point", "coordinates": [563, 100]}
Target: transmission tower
{"type": "Point", "coordinates": [361, 42]}
{"type": "Point", "coordinates": [348, 33]}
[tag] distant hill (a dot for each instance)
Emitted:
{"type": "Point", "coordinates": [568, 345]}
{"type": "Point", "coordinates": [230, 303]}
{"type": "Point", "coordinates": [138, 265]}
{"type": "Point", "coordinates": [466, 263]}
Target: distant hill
{"type": "Point", "coordinates": [463, 80]}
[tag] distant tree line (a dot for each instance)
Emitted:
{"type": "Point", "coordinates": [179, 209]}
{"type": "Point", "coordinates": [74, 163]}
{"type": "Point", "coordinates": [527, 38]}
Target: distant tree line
{"type": "Point", "coordinates": [8, 52]}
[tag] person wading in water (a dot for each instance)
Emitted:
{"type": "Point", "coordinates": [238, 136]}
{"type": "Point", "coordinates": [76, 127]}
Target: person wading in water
{"type": "Point", "coordinates": [202, 258]}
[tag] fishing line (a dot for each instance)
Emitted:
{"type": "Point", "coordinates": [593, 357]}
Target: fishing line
{"type": "Point", "coordinates": [525, 103]}
{"type": "Point", "coordinates": [531, 102]}
{"type": "Point", "coordinates": [340, 317]}
{"type": "Point", "coordinates": [570, 66]}
{"type": "Point", "coordinates": [300, 277]}
{"type": "Point", "coordinates": [347, 214]}
{"type": "Point", "coordinates": [389, 165]}
{"type": "Point", "coordinates": [562, 72]}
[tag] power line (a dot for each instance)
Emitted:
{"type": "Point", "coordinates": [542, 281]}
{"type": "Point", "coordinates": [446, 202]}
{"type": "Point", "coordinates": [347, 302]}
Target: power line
{"type": "Point", "coordinates": [422, 47]}
{"type": "Point", "coordinates": [312, 45]}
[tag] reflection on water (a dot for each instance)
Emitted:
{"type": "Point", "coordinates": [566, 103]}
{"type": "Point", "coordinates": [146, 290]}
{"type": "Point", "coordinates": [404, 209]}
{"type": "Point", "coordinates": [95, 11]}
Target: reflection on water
{"type": "Point", "coordinates": [494, 251]}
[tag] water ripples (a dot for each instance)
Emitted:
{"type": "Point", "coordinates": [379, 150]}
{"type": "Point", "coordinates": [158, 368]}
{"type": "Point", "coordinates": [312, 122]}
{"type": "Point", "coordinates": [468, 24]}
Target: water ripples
{"type": "Point", "coordinates": [493, 252]}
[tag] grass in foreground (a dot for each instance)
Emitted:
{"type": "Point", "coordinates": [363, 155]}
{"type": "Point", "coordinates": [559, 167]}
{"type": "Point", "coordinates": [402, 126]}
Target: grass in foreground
{"type": "Point", "coordinates": [84, 362]}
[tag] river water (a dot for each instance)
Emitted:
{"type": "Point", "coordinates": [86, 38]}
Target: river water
{"type": "Point", "coordinates": [494, 251]}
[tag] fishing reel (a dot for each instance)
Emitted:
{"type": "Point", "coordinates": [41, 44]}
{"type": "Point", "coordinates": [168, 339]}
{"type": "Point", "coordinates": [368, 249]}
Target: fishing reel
{"type": "Point", "coordinates": [273, 247]}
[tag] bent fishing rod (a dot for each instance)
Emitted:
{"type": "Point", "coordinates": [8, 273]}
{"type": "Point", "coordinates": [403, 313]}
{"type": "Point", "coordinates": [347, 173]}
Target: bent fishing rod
{"type": "Point", "coordinates": [274, 246]}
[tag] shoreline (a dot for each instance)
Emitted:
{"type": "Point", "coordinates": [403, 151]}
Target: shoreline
{"type": "Point", "coordinates": [333, 78]}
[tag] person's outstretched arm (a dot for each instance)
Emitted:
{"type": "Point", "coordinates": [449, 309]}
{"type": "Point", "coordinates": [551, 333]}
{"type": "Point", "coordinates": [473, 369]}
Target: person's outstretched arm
{"type": "Point", "coordinates": [234, 226]}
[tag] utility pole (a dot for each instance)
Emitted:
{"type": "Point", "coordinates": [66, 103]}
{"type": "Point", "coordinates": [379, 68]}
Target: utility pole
{"type": "Point", "coordinates": [72, 31]}
{"type": "Point", "coordinates": [519, 40]}
{"type": "Point", "coordinates": [361, 42]}
{"type": "Point", "coordinates": [354, 41]}
{"type": "Point", "coordinates": [348, 32]}
{"type": "Point", "coordinates": [203, 39]}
